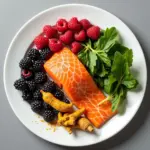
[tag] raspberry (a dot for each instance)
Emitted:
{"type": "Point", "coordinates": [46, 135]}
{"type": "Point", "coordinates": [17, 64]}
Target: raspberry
{"type": "Point", "coordinates": [76, 47]}
{"type": "Point", "coordinates": [55, 45]}
{"type": "Point", "coordinates": [85, 24]}
{"type": "Point", "coordinates": [74, 24]}
{"type": "Point", "coordinates": [41, 42]}
{"type": "Point", "coordinates": [93, 32]}
{"type": "Point", "coordinates": [62, 25]}
{"type": "Point", "coordinates": [80, 36]}
{"type": "Point", "coordinates": [26, 74]}
{"type": "Point", "coordinates": [67, 37]}
{"type": "Point", "coordinates": [49, 31]}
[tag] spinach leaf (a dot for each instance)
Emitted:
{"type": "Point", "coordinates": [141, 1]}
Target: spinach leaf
{"type": "Point", "coordinates": [130, 82]}
{"type": "Point", "coordinates": [119, 66]}
{"type": "Point", "coordinates": [84, 57]}
{"type": "Point", "coordinates": [111, 36]}
{"type": "Point", "coordinates": [92, 62]}
{"type": "Point", "coordinates": [99, 81]}
{"type": "Point", "coordinates": [128, 55]}
{"type": "Point", "coordinates": [103, 57]}
{"type": "Point", "coordinates": [119, 99]}
{"type": "Point", "coordinates": [109, 84]}
{"type": "Point", "coordinates": [103, 71]}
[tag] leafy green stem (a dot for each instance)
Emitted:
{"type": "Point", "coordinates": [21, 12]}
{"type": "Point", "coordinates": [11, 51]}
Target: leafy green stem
{"type": "Point", "coordinates": [108, 98]}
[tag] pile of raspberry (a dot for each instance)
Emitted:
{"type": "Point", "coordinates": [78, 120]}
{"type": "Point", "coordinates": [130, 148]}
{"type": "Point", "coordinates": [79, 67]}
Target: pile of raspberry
{"type": "Point", "coordinates": [71, 33]}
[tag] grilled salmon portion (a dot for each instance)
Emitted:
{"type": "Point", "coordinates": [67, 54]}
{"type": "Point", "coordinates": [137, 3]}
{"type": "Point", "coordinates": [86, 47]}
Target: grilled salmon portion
{"type": "Point", "coordinates": [69, 73]}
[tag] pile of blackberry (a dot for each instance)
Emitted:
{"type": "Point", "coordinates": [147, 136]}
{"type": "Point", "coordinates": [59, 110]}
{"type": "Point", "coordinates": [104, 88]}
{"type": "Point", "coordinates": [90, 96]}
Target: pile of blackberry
{"type": "Point", "coordinates": [33, 79]}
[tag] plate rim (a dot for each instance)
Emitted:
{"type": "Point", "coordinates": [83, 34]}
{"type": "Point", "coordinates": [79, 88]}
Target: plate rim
{"type": "Point", "coordinates": [17, 34]}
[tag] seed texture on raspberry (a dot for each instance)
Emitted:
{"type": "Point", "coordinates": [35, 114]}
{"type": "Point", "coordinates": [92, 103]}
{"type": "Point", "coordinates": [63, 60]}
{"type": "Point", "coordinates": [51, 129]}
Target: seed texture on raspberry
{"type": "Point", "coordinates": [80, 36]}
{"type": "Point", "coordinates": [74, 24]}
{"type": "Point", "coordinates": [93, 32]}
{"type": "Point", "coordinates": [55, 45]}
{"type": "Point", "coordinates": [85, 24]}
{"type": "Point", "coordinates": [67, 37]}
{"type": "Point", "coordinates": [49, 31]}
{"type": "Point", "coordinates": [76, 47]}
{"type": "Point", "coordinates": [62, 25]}
{"type": "Point", "coordinates": [41, 42]}
{"type": "Point", "coordinates": [26, 74]}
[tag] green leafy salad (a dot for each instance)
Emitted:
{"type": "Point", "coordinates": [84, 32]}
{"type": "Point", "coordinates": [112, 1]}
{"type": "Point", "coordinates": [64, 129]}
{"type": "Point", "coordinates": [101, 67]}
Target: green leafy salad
{"type": "Point", "coordinates": [109, 62]}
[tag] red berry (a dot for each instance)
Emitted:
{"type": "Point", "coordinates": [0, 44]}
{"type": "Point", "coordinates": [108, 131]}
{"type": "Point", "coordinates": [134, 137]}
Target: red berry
{"type": "Point", "coordinates": [85, 24]}
{"type": "Point", "coordinates": [76, 47]}
{"type": "Point", "coordinates": [93, 32]}
{"type": "Point", "coordinates": [55, 45]}
{"type": "Point", "coordinates": [62, 25]}
{"type": "Point", "coordinates": [74, 24]}
{"type": "Point", "coordinates": [49, 31]}
{"type": "Point", "coordinates": [67, 37]}
{"type": "Point", "coordinates": [41, 42]}
{"type": "Point", "coordinates": [80, 36]}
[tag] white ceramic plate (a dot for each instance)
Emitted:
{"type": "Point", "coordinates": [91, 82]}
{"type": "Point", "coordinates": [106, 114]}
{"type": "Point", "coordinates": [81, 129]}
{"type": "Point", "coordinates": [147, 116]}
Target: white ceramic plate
{"type": "Point", "coordinates": [18, 47]}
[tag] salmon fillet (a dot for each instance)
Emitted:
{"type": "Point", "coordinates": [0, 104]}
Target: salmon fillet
{"type": "Point", "coordinates": [70, 74]}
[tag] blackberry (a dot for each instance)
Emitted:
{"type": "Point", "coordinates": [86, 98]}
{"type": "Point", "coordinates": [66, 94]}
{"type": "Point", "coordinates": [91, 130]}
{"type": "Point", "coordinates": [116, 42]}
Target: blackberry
{"type": "Point", "coordinates": [40, 77]}
{"type": "Point", "coordinates": [37, 95]}
{"type": "Point", "coordinates": [33, 54]}
{"type": "Point", "coordinates": [31, 85]}
{"type": "Point", "coordinates": [27, 96]}
{"type": "Point", "coordinates": [36, 106]}
{"type": "Point", "coordinates": [59, 94]}
{"type": "Point", "coordinates": [66, 101]}
{"type": "Point", "coordinates": [25, 63]}
{"type": "Point", "coordinates": [47, 106]}
{"type": "Point", "coordinates": [55, 112]}
{"type": "Point", "coordinates": [48, 115]}
{"type": "Point", "coordinates": [20, 84]}
{"type": "Point", "coordinates": [26, 74]}
{"type": "Point", "coordinates": [38, 66]}
{"type": "Point", "coordinates": [45, 53]}
{"type": "Point", "coordinates": [49, 87]}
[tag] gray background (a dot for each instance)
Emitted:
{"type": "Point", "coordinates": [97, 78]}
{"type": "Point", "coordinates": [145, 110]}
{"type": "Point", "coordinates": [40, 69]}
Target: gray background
{"type": "Point", "coordinates": [13, 14]}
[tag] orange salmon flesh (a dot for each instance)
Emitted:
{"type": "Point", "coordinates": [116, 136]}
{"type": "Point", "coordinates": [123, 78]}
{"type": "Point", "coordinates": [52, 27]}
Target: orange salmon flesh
{"type": "Point", "coordinates": [70, 74]}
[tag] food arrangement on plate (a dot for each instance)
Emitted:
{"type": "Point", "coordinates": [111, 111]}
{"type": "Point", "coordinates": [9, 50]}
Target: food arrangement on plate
{"type": "Point", "coordinates": [77, 74]}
